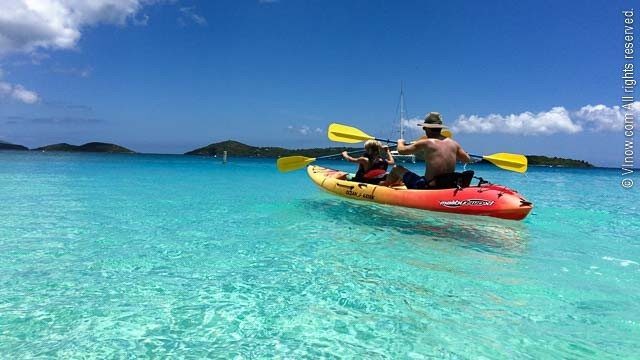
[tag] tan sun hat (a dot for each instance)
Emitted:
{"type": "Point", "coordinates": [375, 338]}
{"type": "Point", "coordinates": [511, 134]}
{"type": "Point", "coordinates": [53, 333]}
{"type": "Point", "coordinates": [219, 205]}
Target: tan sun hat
{"type": "Point", "coordinates": [433, 120]}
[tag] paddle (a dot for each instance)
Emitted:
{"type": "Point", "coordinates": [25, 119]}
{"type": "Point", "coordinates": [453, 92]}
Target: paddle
{"type": "Point", "coordinates": [290, 163]}
{"type": "Point", "coordinates": [349, 134]}
{"type": "Point", "coordinates": [506, 161]}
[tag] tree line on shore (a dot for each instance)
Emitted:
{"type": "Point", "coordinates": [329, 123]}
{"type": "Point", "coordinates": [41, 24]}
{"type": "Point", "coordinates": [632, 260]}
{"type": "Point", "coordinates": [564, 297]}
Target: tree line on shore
{"type": "Point", "coordinates": [238, 149]}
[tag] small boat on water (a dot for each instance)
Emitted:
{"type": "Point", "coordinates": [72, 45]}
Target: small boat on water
{"type": "Point", "coordinates": [403, 158]}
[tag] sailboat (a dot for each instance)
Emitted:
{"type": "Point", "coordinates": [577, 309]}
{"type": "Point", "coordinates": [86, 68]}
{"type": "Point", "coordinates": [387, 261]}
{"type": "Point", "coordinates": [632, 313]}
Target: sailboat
{"type": "Point", "coordinates": [396, 155]}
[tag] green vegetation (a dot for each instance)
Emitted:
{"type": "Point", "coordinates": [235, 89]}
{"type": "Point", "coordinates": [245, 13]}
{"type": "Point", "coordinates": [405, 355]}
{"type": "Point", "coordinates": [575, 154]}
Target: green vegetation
{"type": "Point", "coordinates": [99, 147]}
{"type": "Point", "coordinates": [234, 148]}
{"type": "Point", "coordinates": [9, 146]}
{"type": "Point", "coordinates": [238, 149]}
{"type": "Point", "coordinates": [539, 160]}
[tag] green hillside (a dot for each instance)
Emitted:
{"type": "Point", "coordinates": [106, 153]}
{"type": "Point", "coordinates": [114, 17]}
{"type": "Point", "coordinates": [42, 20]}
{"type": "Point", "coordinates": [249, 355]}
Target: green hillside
{"type": "Point", "coordinates": [8, 146]}
{"type": "Point", "coordinates": [98, 147]}
{"type": "Point", "coordinates": [238, 149]}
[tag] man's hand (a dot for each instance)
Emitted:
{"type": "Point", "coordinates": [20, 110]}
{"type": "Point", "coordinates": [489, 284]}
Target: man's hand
{"type": "Point", "coordinates": [474, 159]}
{"type": "Point", "coordinates": [401, 146]}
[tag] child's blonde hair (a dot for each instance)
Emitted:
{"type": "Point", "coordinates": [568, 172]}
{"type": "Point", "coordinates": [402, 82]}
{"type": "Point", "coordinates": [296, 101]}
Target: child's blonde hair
{"type": "Point", "coordinates": [373, 147]}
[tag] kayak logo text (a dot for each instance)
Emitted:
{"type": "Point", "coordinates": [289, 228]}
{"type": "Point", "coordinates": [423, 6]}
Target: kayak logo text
{"type": "Point", "coordinates": [470, 202]}
{"type": "Point", "coordinates": [359, 195]}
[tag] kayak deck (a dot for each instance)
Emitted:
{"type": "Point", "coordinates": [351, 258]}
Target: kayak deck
{"type": "Point", "coordinates": [486, 200]}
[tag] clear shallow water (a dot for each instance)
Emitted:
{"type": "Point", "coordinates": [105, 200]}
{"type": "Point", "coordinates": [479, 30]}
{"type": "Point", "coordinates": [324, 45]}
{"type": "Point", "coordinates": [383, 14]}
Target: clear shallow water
{"type": "Point", "coordinates": [175, 256]}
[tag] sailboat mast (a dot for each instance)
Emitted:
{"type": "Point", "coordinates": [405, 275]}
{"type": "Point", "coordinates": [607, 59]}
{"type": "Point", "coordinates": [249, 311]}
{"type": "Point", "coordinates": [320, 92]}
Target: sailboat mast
{"type": "Point", "coordinates": [401, 111]}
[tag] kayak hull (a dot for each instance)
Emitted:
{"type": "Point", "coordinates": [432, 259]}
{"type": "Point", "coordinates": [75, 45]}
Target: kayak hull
{"type": "Point", "coordinates": [487, 200]}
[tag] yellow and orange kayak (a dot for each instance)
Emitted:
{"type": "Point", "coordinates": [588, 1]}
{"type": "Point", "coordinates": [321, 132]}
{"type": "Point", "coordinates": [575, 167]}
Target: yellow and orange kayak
{"type": "Point", "coordinates": [485, 200]}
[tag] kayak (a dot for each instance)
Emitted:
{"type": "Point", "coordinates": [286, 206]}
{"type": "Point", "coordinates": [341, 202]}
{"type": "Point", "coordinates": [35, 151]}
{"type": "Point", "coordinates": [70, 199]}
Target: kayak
{"type": "Point", "coordinates": [484, 200]}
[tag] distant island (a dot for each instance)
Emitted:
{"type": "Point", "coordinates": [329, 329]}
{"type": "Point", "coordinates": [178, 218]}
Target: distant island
{"type": "Point", "coordinates": [98, 147]}
{"type": "Point", "coordinates": [538, 160]}
{"type": "Point", "coordinates": [238, 149]}
{"type": "Point", "coordinates": [8, 146]}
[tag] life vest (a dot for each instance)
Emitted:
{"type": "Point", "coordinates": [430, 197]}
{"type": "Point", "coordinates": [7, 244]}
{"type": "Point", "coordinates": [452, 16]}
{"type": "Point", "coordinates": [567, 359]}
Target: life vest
{"type": "Point", "coordinates": [376, 173]}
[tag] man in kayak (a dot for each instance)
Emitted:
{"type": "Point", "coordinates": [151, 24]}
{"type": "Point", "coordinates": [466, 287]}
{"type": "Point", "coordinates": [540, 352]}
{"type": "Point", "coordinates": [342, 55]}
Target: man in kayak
{"type": "Point", "coordinates": [440, 154]}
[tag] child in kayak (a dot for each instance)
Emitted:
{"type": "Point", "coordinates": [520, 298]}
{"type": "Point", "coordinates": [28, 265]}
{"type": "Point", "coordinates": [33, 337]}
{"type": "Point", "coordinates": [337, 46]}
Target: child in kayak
{"type": "Point", "coordinates": [372, 166]}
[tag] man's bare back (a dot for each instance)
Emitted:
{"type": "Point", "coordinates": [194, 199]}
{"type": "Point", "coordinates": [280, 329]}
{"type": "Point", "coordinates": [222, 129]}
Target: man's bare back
{"type": "Point", "coordinates": [440, 156]}
{"type": "Point", "coordinates": [440, 153]}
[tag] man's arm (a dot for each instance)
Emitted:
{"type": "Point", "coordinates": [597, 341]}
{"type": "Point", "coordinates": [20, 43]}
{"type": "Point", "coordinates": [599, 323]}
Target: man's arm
{"type": "Point", "coordinates": [462, 155]}
{"type": "Point", "coordinates": [411, 148]}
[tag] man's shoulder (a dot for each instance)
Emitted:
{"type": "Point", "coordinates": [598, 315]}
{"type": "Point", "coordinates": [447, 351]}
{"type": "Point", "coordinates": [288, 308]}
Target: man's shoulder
{"type": "Point", "coordinates": [423, 143]}
{"type": "Point", "coordinates": [450, 141]}
{"type": "Point", "coordinates": [431, 142]}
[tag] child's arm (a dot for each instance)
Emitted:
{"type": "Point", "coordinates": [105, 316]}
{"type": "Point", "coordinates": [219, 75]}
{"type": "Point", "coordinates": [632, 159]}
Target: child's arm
{"type": "Point", "coordinates": [390, 159]}
{"type": "Point", "coordinates": [346, 156]}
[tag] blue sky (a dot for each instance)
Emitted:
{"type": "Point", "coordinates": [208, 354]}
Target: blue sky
{"type": "Point", "coordinates": [169, 76]}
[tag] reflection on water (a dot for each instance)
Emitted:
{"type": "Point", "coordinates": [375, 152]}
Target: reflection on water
{"type": "Point", "coordinates": [476, 232]}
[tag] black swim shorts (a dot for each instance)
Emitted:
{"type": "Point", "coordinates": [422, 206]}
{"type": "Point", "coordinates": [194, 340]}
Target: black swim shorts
{"type": "Point", "coordinates": [413, 181]}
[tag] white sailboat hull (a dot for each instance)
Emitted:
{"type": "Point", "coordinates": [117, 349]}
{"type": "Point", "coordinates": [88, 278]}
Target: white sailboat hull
{"type": "Point", "coordinates": [403, 158]}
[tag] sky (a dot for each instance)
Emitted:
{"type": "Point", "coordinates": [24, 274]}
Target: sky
{"type": "Point", "coordinates": [535, 77]}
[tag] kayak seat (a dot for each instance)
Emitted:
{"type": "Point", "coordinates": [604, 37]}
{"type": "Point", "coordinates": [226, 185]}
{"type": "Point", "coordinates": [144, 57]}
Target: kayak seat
{"type": "Point", "coordinates": [453, 180]}
{"type": "Point", "coordinates": [465, 178]}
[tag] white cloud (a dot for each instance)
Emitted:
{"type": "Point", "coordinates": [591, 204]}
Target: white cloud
{"type": "Point", "coordinates": [142, 20]}
{"type": "Point", "coordinates": [24, 95]}
{"type": "Point", "coordinates": [84, 72]}
{"type": "Point", "coordinates": [603, 118]}
{"type": "Point", "coordinates": [29, 25]}
{"type": "Point", "coordinates": [17, 92]}
{"type": "Point", "coordinates": [556, 120]}
{"type": "Point", "coordinates": [304, 130]}
{"type": "Point", "coordinates": [189, 13]}
{"type": "Point", "coordinates": [411, 123]}
{"type": "Point", "coordinates": [411, 129]}
{"type": "Point", "coordinates": [34, 26]}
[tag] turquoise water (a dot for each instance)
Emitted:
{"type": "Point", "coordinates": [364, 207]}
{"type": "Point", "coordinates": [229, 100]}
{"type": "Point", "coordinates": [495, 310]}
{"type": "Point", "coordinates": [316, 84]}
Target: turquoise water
{"type": "Point", "coordinates": [124, 256]}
